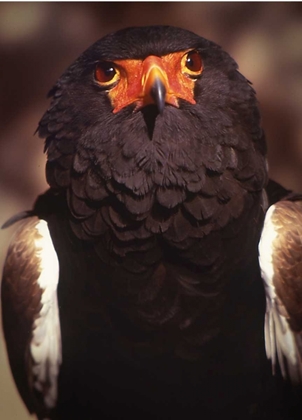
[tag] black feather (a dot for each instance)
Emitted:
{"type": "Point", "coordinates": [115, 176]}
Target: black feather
{"type": "Point", "coordinates": [156, 220]}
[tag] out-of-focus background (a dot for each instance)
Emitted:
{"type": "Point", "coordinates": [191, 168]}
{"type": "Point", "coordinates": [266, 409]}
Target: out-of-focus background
{"type": "Point", "coordinates": [39, 40]}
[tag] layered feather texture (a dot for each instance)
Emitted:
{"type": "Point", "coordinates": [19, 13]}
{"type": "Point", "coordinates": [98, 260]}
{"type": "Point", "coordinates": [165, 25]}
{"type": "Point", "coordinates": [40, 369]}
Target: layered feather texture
{"type": "Point", "coordinates": [148, 189]}
{"type": "Point", "coordinates": [156, 219]}
{"type": "Point", "coordinates": [196, 172]}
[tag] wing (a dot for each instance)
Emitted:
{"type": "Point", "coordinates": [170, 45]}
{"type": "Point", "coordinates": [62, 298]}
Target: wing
{"type": "Point", "coordinates": [280, 258]}
{"type": "Point", "coordinates": [31, 316]}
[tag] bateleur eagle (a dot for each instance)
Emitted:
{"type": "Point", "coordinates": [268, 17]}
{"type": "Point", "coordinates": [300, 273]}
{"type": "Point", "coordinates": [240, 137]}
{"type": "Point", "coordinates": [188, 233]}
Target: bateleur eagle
{"type": "Point", "coordinates": [133, 288]}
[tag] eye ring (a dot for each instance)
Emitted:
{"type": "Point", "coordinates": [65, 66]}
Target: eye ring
{"type": "Point", "coordinates": [192, 63]}
{"type": "Point", "coordinates": [106, 73]}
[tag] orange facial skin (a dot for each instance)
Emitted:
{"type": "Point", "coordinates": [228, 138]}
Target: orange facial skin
{"type": "Point", "coordinates": [132, 80]}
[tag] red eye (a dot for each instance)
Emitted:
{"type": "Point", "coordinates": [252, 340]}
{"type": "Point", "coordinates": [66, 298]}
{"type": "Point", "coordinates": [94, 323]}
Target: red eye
{"type": "Point", "coordinates": [105, 72]}
{"type": "Point", "coordinates": [193, 61]}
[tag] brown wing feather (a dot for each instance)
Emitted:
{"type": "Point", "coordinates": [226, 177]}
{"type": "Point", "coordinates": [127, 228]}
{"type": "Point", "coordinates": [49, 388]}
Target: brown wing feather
{"type": "Point", "coordinates": [287, 259]}
{"type": "Point", "coordinates": [280, 257]}
{"type": "Point", "coordinates": [21, 304]}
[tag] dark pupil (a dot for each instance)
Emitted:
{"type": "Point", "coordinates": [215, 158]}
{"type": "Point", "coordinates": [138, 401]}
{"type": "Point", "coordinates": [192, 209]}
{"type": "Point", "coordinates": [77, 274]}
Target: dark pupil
{"type": "Point", "coordinates": [193, 61]}
{"type": "Point", "coordinates": [105, 72]}
{"type": "Point", "coordinates": [190, 62]}
{"type": "Point", "coordinates": [109, 72]}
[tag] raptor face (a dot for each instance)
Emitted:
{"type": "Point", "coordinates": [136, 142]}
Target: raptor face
{"type": "Point", "coordinates": [154, 131]}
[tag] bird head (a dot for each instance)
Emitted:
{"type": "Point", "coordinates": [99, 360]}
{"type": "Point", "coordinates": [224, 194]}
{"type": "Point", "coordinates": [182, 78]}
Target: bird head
{"type": "Point", "coordinates": [150, 126]}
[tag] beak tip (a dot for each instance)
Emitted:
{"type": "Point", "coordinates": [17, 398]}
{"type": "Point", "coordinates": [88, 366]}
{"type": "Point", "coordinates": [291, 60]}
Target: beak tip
{"type": "Point", "coordinates": [158, 93]}
{"type": "Point", "coordinates": [161, 108]}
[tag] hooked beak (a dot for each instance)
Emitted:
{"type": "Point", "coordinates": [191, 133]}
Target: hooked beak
{"type": "Point", "coordinates": [155, 82]}
{"type": "Point", "coordinates": [158, 94]}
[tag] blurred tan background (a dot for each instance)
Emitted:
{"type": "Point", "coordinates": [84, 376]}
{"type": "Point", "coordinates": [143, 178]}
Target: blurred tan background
{"type": "Point", "coordinates": [39, 40]}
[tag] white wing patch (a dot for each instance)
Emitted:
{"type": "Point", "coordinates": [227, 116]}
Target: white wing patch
{"type": "Point", "coordinates": [45, 345]}
{"type": "Point", "coordinates": [281, 343]}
